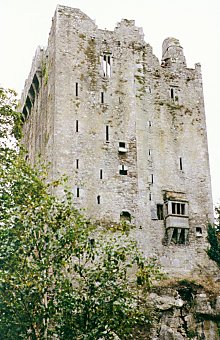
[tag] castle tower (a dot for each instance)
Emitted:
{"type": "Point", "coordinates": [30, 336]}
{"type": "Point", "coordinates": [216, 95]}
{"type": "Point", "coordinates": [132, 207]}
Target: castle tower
{"type": "Point", "coordinates": [128, 131]}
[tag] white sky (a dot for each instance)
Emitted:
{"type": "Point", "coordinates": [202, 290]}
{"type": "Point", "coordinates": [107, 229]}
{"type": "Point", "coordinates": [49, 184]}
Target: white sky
{"type": "Point", "coordinates": [25, 24]}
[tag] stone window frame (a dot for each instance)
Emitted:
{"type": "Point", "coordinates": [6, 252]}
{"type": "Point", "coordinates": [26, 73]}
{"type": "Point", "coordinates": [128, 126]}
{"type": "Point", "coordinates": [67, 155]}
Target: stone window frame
{"type": "Point", "coordinates": [176, 208]}
{"type": "Point", "coordinates": [106, 61]}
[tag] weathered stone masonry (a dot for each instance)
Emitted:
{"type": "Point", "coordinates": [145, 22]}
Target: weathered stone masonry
{"type": "Point", "coordinates": [129, 132]}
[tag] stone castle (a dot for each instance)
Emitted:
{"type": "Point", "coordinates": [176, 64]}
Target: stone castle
{"type": "Point", "coordinates": [129, 132]}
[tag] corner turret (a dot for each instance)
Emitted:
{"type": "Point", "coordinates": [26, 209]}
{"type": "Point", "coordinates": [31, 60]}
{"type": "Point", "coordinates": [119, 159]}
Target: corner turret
{"type": "Point", "coordinates": [172, 53]}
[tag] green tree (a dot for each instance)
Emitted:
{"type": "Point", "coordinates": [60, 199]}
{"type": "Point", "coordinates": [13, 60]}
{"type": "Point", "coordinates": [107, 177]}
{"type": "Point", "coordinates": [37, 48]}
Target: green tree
{"type": "Point", "coordinates": [214, 239]}
{"type": "Point", "coordinates": [10, 118]}
{"type": "Point", "coordinates": [60, 276]}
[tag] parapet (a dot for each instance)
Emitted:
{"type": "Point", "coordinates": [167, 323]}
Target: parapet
{"type": "Point", "coordinates": [128, 28]}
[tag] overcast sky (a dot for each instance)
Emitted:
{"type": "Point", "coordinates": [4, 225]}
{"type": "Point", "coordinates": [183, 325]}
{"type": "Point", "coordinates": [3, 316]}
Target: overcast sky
{"type": "Point", "coordinates": [25, 24]}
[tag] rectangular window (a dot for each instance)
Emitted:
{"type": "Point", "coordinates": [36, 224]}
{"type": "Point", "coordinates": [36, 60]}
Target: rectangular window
{"type": "Point", "coordinates": [107, 133]}
{"type": "Point", "coordinates": [77, 164]}
{"type": "Point", "coordinates": [106, 64]}
{"type": "Point", "coordinates": [149, 152]}
{"type": "Point", "coordinates": [122, 147]}
{"type": "Point", "coordinates": [149, 123]}
{"type": "Point", "coordinates": [123, 170]}
{"type": "Point", "coordinates": [152, 178]}
{"type": "Point", "coordinates": [77, 192]}
{"type": "Point", "coordinates": [98, 199]}
{"type": "Point", "coordinates": [198, 231]}
{"type": "Point", "coordinates": [100, 174]}
{"type": "Point", "coordinates": [77, 89]}
{"type": "Point", "coordinates": [77, 126]}
{"type": "Point", "coordinates": [178, 208]}
{"type": "Point", "coordinates": [102, 97]}
{"type": "Point", "coordinates": [121, 144]}
{"type": "Point", "coordinates": [181, 164]}
{"type": "Point", "coordinates": [174, 94]}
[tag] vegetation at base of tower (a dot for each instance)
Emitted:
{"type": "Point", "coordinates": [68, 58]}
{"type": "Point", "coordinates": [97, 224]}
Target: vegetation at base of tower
{"type": "Point", "coordinates": [214, 239]}
{"type": "Point", "coordinates": [60, 276]}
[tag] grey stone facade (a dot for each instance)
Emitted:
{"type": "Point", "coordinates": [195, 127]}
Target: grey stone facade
{"type": "Point", "coordinates": [129, 132]}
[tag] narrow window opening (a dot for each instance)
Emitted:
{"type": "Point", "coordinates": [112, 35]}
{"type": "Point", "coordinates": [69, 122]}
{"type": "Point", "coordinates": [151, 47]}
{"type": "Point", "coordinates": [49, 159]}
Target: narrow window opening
{"type": "Point", "coordinates": [160, 211]}
{"type": "Point", "coordinates": [77, 126]}
{"type": "Point", "coordinates": [104, 65]}
{"type": "Point", "coordinates": [172, 93]}
{"type": "Point", "coordinates": [77, 192]}
{"type": "Point", "coordinates": [98, 199]}
{"type": "Point", "coordinates": [150, 196]}
{"type": "Point", "coordinates": [181, 164]}
{"type": "Point", "coordinates": [173, 208]}
{"type": "Point", "coordinates": [107, 133]}
{"type": "Point", "coordinates": [102, 97]}
{"type": "Point", "coordinates": [77, 164]}
{"type": "Point", "coordinates": [100, 174]}
{"type": "Point", "coordinates": [178, 208]}
{"type": "Point", "coordinates": [123, 170]}
{"type": "Point", "coordinates": [150, 123]}
{"type": "Point", "coordinates": [77, 89]}
{"type": "Point", "coordinates": [149, 152]}
{"type": "Point", "coordinates": [125, 216]}
{"type": "Point", "coordinates": [149, 89]}
{"type": "Point", "coordinates": [152, 178]}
